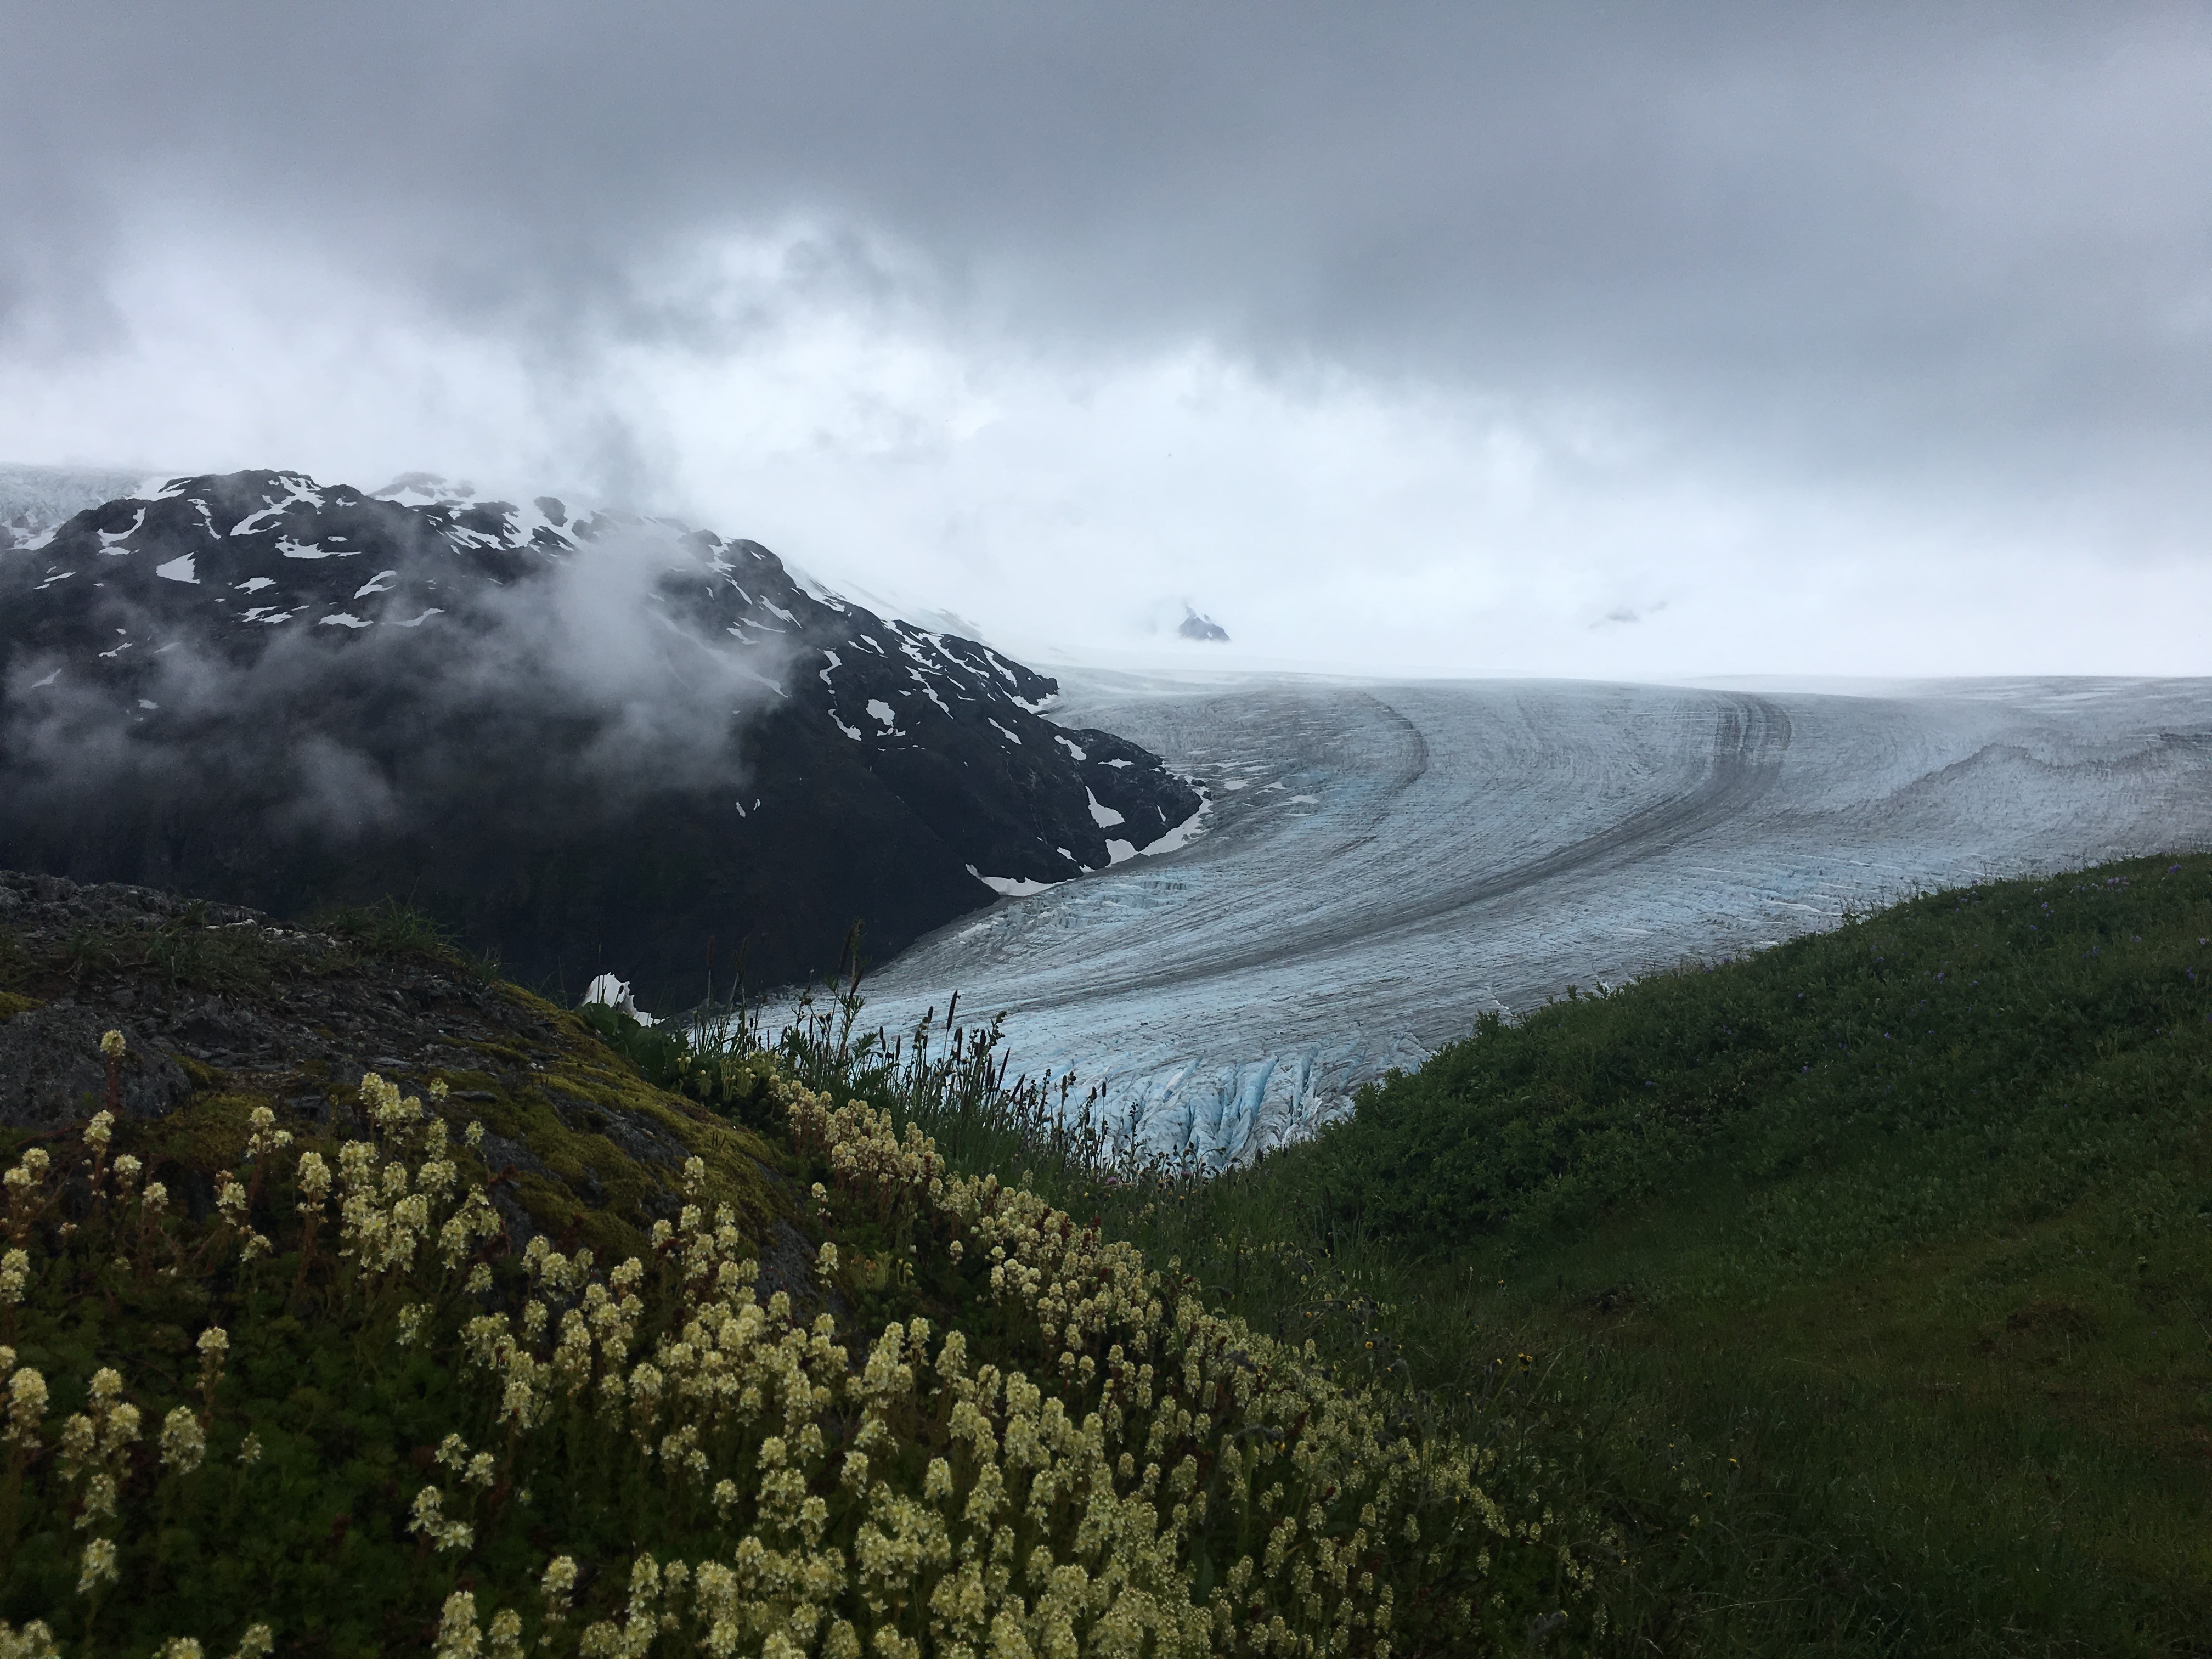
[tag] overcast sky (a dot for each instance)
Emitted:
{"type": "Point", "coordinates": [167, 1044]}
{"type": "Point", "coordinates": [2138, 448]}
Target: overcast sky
{"type": "Point", "coordinates": [1631, 342]}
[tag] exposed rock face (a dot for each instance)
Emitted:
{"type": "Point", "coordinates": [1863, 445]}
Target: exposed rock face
{"type": "Point", "coordinates": [52, 1074]}
{"type": "Point", "coordinates": [605, 743]}
{"type": "Point", "coordinates": [222, 988]}
{"type": "Point", "coordinates": [1195, 626]}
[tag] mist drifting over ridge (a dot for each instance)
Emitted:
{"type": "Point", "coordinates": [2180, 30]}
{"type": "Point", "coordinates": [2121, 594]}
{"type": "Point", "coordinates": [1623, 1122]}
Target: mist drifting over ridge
{"type": "Point", "coordinates": [582, 638]}
{"type": "Point", "coordinates": [592, 742]}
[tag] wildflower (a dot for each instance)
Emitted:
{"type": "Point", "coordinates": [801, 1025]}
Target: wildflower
{"type": "Point", "coordinates": [249, 1451]}
{"type": "Point", "coordinates": [312, 1177]}
{"type": "Point", "coordinates": [112, 1045]}
{"type": "Point", "coordinates": [25, 1407]}
{"type": "Point", "coordinates": [230, 1198]}
{"type": "Point", "coordinates": [99, 1494]}
{"type": "Point", "coordinates": [178, 1647]}
{"type": "Point", "coordinates": [475, 1219]}
{"type": "Point", "coordinates": [427, 1519]}
{"type": "Point", "coordinates": [265, 1137]}
{"type": "Point", "coordinates": [259, 1642]}
{"type": "Point", "coordinates": [15, 1277]}
{"type": "Point", "coordinates": [458, 1635]}
{"type": "Point", "coordinates": [22, 1184]}
{"type": "Point", "coordinates": [184, 1443]}
{"type": "Point", "coordinates": [387, 1111]}
{"type": "Point", "coordinates": [98, 1566]}
{"type": "Point", "coordinates": [410, 1324]}
{"type": "Point", "coordinates": [101, 1129]}
{"type": "Point", "coordinates": [106, 1389]}
{"type": "Point", "coordinates": [558, 1584]}
{"type": "Point", "coordinates": [215, 1348]}
{"type": "Point", "coordinates": [506, 1634]}
{"type": "Point", "coordinates": [1006, 1639]}
{"type": "Point", "coordinates": [825, 1263]}
{"type": "Point", "coordinates": [34, 1641]}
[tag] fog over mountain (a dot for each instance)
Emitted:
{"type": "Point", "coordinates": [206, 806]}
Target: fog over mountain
{"type": "Point", "coordinates": [588, 741]}
{"type": "Point", "coordinates": [1627, 343]}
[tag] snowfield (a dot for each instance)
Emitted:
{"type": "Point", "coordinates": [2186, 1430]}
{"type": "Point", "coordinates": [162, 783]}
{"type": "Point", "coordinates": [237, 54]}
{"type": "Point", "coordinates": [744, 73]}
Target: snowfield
{"type": "Point", "coordinates": [1380, 863]}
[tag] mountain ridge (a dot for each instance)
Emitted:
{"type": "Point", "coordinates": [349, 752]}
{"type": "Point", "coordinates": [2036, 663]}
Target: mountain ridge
{"type": "Point", "coordinates": [589, 742]}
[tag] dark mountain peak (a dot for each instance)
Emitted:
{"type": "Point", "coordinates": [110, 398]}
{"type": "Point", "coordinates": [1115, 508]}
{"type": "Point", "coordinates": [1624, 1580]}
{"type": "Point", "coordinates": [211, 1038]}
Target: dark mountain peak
{"type": "Point", "coordinates": [1195, 626]}
{"type": "Point", "coordinates": [594, 741]}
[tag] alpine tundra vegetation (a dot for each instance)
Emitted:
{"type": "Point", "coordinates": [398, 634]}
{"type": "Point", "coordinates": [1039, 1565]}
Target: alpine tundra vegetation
{"type": "Point", "coordinates": [968, 1423]}
{"type": "Point", "coordinates": [1847, 1298]}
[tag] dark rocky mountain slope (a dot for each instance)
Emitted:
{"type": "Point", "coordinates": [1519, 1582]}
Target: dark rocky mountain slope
{"type": "Point", "coordinates": [594, 743]}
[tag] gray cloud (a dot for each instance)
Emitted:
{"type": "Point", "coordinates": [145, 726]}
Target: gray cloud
{"type": "Point", "coordinates": [1956, 262]}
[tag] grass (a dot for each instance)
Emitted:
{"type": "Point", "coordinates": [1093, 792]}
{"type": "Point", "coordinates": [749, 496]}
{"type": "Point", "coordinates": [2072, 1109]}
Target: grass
{"type": "Point", "coordinates": [190, 953]}
{"type": "Point", "coordinates": [398, 931]}
{"type": "Point", "coordinates": [1864, 1285]}
{"type": "Point", "coordinates": [1853, 1299]}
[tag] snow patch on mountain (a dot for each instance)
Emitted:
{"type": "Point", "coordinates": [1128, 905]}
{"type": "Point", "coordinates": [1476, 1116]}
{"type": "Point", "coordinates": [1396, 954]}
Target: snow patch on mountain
{"type": "Point", "coordinates": [1010, 886]}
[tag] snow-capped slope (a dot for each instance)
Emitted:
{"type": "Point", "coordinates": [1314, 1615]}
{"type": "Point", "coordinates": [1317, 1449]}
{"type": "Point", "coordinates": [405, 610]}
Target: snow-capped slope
{"type": "Point", "coordinates": [1385, 862]}
{"type": "Point", "coordinates": [599, 741]}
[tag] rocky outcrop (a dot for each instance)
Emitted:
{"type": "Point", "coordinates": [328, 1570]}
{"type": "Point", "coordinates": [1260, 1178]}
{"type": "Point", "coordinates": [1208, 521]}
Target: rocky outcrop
{"type": "Point", "coordinates": [223, 1010]}
{"type": "Point", "coordinates": [51, 1072]}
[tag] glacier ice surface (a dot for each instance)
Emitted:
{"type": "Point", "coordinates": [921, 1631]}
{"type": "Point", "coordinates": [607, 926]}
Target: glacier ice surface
{"type": "Point", "coordinates": [1440, 849]}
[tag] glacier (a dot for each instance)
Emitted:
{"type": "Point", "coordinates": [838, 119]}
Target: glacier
{"type": "Point", "coordinates": [1382, 863]}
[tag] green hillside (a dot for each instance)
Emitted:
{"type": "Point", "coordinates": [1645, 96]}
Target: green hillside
{"type": "Point", "coordinates": [1852, 1299]}
{"type": "Point", "coordinates": [540, 1358]}
{"type": "Point", "coordinates": [1868, 1279]}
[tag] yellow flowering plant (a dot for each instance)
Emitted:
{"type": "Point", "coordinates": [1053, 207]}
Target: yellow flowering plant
{"type": "Point", "coordinates": [405, 1435]}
